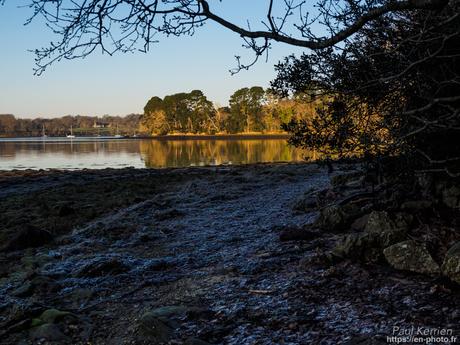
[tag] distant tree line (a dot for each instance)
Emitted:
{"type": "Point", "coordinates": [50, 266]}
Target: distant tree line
{"type": "Point", "coordinates": [250, 110]}
{"type": "Point", "coordinates": [10, 126]}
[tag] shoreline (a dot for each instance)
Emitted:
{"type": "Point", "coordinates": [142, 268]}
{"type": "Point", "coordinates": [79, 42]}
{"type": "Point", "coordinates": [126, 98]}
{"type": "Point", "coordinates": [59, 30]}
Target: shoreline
{"type": "Point", "coordinates": [253, 136]}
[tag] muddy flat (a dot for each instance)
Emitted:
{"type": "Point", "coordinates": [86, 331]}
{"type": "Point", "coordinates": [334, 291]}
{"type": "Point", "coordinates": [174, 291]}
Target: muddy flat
{"type": "Point", "coordinates": [190, 256]}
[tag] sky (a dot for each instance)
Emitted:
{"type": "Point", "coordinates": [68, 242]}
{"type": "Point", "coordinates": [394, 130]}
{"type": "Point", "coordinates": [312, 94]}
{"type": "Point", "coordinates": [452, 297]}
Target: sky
{"type": "Point", "coordinates": [123, 83]}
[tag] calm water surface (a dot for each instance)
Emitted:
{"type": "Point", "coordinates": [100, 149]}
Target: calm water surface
{"type": "Point", "coordinates": [79, 153]}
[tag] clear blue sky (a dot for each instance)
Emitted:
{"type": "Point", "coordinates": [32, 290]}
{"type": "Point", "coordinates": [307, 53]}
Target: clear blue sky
{"type": "Point", "coordinates": [123, 83]}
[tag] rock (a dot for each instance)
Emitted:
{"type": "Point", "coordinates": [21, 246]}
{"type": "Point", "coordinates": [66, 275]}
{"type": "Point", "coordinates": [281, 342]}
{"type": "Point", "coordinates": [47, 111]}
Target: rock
{"type": "Point", "coordinates": [380, 231]}
{"type": "Point", "coordinates": [48, 332]}
{"type": "Point", "coordinates": [335, 217]}
{"type": "Point", "coordinates": [331, 218]}
{"type": "Point", "coordinates": [54, 315]}
{"type": "Point", "coordinates": [411, 256]}
{"type": "Point", "coordinates": [159, 324]}
{"type": "Point", "coordinates": [82, 295]}
{"type": "Point", "coordinates": [297, 234]}
{"type": "Point", "coordinates": [195, 341]}
{"type": "Point", "coordinates": [360, 223]}
{"type": "Point", "coordinates": [103, 267]}
{"type": "Point", "coordinates": [28, 237]}
{"type": "Point", "coordinates": [416, 205]}
{"type": "Point", "coordinates": [344, 179]}
{"type": "Point", "coordinates": [65, 210]}
{"type": "Point", "coordinates": [357, 246]}
{"type": "Point", "coordinates": [451, 196]}
{"type": "Point", "coordinates": [25, 290]}
{"type": "Point", "coordinates": [384, 230]}
{"type": "Point", "coordinates": [168, 214]}
{"type": "Point", "coordinates": [306, 203]}
{"type": "Point", "coordinates": [451, 264]}
{"type": "Point", "coordinates": [158, 329]}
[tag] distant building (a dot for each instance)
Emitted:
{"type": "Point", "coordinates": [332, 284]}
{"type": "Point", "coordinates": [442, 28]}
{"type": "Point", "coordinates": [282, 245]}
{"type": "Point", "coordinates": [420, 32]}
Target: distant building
{"type": "Point", "coordinates": [100, 124]}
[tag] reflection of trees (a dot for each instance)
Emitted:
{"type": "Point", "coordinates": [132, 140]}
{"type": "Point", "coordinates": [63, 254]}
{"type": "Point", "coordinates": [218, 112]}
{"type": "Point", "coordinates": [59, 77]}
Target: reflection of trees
{"type": "Point", "coordinates": [176, 153]}
{"type": "Point", "coordinates": [168, 153]}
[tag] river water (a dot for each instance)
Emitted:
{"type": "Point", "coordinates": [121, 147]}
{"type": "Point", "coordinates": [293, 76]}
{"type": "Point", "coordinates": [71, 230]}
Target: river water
{"type": "Point", "coordinates": [98, 153]}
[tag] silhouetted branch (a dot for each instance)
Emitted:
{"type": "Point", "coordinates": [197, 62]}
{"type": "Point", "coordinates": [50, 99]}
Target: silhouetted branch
{"type": "Point", "coordinates": [127, 25]}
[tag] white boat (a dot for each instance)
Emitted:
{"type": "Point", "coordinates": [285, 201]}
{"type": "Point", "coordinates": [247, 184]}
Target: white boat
{"type": "Point", "coordinates": [71, 133]}
{"type": "Point", "coordinates": [118, 135]}
{"type": "Point", "coordinates": [43, 132]}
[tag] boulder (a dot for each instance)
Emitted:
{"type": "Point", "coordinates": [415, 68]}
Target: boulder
{"type": "Point", "coordinates": [356, 246]}
{"type": "Point", "coordinates": [411, 256]}
{"type": "Point", "coordinates": [159, 325]}
{"type": "Point", "coordinates": [297, 234]}
{"type": "Point", "coordinates": [65, 210]}
{"type": "Point", "coordinates": [338, 217]}
{"type": "Point", "coordinates": [52, 316]}
{"type": "Point", "coordinates": [331, 218]}
{"type": "Point", "coordinates": [384, 230]}
{"type": "Point", "coordinates": [159, 329]}
{"type": "Point", "coordinates": [342, 180]}
{"type": "Point", "coordinates": [451, 196]}
{"type": "Point", "coordinates": [195, 341]}
{"type": "Point", "coordinates": [48, 332]}
{"type": "Point", "coordinates": [416, 205]}
{"type": "Point", "coordinates": [306, 203]}
{"type": "Point", "coordinates": [28, 237]}
{"type": "Point", "coordinates": [451, 264]}
{"type": "Point", "coordinates": [359, 224]}
{"type": "Point", "coordinates": [102, 267]}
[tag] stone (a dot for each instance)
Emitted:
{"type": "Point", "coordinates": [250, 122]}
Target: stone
{"type": "Point", "coordinates": [25, 290]}
{"type": "Point", "coordinates": [306, 203]}
{"type": "Point", "coordinates": [451, 264]}
{"type": "Point", "coordinates": [195, 341]}
{"type": "Point", "coordinates": [356, 246]}
{"type": "Point", "coordinates": [416, 205]}
{"type": "Point", "coordinates": [451, 196]}
{"type": "Point", "coordinates": [48, 332]}
{"type": "Point", "coordinates": [384, 230]}
{"type": "Point", "coordinates": [297, 234]}
{"type": "Point", "coordinates": [359, 224]}
{"type": "Point", "coordinates": [167, 214]}
{"type": "Point", "coordinates": [411, 256]}
{"type": "Point", "coordinates": [331, 218]}
{"type": "Point", "coordinates": [65, 210]}
{"type": "Point", "coordinates": [158, 329]}
{"type": "Point", "coordinates": [159, 325]}
{"type": "Point", "coordinates": [28, 237]}
{"type": "Point", "coordinates": [54, 315]}
{"type": "Point", "coordinates": [103, 267]}
{"type": "Point", "coordinates": [347, 178]}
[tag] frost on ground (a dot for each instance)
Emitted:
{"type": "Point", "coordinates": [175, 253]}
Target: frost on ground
{"type": "Point", "coordinates": [200, 262]}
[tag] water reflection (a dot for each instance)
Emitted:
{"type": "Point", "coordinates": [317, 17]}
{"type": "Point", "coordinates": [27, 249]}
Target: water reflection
{"type": "Point", "coordinates": [142, 153]}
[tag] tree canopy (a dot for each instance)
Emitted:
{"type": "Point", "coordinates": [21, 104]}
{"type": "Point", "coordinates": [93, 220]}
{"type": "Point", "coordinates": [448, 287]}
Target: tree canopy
{"type": "Point", "coordinates": [393, 90]}
{"type": "Point", "coordinates": [131, 25]}
{"type": "Point", "coordinates": [251, 109]}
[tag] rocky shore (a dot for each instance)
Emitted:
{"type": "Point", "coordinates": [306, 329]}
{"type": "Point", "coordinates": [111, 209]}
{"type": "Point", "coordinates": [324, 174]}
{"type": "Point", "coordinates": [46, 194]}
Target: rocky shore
{"type": "Point", "coordinates": [257, 254]}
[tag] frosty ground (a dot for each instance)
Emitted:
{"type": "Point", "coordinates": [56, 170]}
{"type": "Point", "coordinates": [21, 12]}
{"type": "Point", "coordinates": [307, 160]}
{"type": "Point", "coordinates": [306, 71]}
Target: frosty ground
{"type": "Point", "coordinates": [192, 256]}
